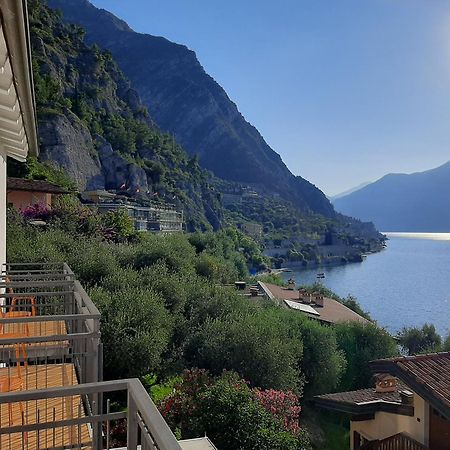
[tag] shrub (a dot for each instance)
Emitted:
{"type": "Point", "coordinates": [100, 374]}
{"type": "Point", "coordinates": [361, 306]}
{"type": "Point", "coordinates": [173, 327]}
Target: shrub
{"type": "Point", "coordinates": [230, 413]}
{"type": "Point", "coordinates": [136, 330]}
{"type": "Point", "coordinates": [38, 211]}
{"type": "Point", "coordinates": [284, 406]}
{"type": "Point", "coordinates": [259, 350]}
{"type": "Point", "coordinates": [117, 225]}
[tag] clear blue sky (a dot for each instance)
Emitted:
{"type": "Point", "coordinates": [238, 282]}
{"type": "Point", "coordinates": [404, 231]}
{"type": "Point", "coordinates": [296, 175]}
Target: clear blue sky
{"type": "Point", "coordinates": [345, 90]}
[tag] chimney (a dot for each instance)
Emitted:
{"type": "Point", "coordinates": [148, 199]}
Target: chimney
{"type": "Point", "coordinates": [291, 284]}
{"type": "Point", "coordinates": [307, 298]}
{"type": "Point", "coordinates": [385, 382]}
{"type": "Point", "coordinates": [319, 299]}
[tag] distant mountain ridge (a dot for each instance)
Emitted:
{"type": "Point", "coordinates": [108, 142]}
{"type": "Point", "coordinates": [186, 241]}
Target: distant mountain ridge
{"type": "Point", "coordinates": [348, 191]}
{"type": "Point", "coordinates": [417, 202]}
{"type": "Point", "coordinates": [184, 100]}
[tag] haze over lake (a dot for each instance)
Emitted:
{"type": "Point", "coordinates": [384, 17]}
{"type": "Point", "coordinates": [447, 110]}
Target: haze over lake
{"type": "Point", "coordinates": [406, 284]}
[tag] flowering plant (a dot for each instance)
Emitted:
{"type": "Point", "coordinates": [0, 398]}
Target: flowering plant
{"type": "Point", "coordinates": [38, 211]}
{"type": "Point", "coordinates": [282, 405]}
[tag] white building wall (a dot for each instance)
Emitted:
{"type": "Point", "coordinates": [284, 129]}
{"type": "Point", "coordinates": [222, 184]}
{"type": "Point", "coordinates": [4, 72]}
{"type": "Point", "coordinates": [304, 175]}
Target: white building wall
{"type": "Point", "coordinates": [2, 206]}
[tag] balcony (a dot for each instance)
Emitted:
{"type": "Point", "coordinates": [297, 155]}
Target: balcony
{"type": "Point", "coordinates": [400, 441]}
{"type": "Point", "coordinates": [51, 393]}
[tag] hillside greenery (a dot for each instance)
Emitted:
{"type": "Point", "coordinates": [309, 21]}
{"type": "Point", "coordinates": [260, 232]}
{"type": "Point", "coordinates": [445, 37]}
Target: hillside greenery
{"type": "Point", "coordinates": [76, 80]}
{"type": "Point", "coordinates": [85, 82]}
{"type": "Point", "coordinates": [165, 308]}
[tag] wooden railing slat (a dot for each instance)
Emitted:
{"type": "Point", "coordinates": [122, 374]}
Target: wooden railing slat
{"type": "Point", "coordinates": [398, 441]}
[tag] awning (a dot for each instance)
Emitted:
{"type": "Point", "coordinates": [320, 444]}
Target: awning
{"type": "Point", "coordinates": [18, 134]}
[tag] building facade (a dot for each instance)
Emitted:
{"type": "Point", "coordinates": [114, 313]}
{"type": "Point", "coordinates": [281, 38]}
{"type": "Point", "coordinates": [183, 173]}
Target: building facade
{"type": "Point", "coordinates": [409, 407]}
{"type": "Point", "coordinates": [22, 193]}
{"type": "Point", "coordinates": [153, 217]}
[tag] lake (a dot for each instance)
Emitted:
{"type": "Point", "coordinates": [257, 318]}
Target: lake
{"type": "Point", "coordinates": [406, 284]}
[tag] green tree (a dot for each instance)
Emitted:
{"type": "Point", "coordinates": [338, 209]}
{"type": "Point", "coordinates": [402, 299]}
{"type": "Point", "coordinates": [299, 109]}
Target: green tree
{"type": "Point", "coordinates": [446, 344]}
{"type": "Point", "coordinates": [119, 223]}
{"type": "Point", "coordinates": [419, 340]}
{"type": "Point", "coordinates": [362, 343]}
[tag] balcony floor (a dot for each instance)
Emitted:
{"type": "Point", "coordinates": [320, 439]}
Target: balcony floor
{"type": "Point", "coordinates": [40, 411]}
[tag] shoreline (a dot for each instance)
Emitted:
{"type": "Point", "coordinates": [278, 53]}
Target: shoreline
{"type": "Point", "coordinates": [440, 236]}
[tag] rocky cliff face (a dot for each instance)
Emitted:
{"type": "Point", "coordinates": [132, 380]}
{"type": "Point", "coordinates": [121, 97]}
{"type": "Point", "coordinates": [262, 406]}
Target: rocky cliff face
{"type": "Point", "coordinates": [93, 124]}
{"type": "Point", "coordinates": [185, 100]}
{"type": "Point", "coordinates": [68, 144]}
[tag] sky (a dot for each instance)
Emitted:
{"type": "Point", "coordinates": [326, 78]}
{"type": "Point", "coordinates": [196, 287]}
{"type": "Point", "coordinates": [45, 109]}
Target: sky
{"type": "Point", "coordinates": [345, 91]}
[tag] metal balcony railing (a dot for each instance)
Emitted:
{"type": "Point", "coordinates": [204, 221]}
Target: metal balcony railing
{"type": "Point", "coordinates": [88, 428]}
{"type": "Point", "coordinates": [51, 393]}
{"type": "Point", "coordinates": [47, 318]}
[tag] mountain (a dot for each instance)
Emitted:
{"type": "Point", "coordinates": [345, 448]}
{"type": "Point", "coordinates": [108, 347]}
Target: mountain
{"type": "Point", "coordinates": [94, 126]}
{"type": "Point", "coordinates": [417, 202]}
{"type": "Point", "coordinates": [185, 101]}
{"type": "Point", "coordinates": [348, 191]}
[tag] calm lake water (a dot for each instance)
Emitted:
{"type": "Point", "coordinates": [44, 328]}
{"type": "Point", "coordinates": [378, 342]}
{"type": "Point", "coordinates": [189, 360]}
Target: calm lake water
{"type": "Point", "coordinates": [406, 284]}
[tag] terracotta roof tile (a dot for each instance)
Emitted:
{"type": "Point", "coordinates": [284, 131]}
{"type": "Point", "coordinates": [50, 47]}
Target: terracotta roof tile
{"type": "Point", "coordinates": [429, 374]}
{"type": "Point", "coordinates": [22, 184]}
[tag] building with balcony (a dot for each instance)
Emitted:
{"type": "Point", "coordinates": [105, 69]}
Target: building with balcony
{"type": "Point", "coordinates": [150, 216]}
{"type": "Point", "coordinates": [51, 391]}
{"type": "Point", "coordinates": [408, 408]}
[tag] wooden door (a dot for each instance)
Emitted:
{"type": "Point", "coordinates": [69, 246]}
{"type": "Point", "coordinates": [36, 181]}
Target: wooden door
{"type": "Point", "coordinates": [439, 431]}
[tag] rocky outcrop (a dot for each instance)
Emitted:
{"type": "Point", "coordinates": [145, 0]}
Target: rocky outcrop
{"type": "Point", "coordinates": [118, 171]}
{"type": "Point", "coordinates": [68, 145]}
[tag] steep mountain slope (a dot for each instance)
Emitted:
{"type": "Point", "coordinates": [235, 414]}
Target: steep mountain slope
{"type": "Point", "coordinates": [400, 202]}
{"type": "Point", "coordinates": [94, 125]}
{"type": "Point", "coordinates": [184, 100]}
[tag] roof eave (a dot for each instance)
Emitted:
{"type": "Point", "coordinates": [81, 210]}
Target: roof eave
{"type": "Point", "coordinates": [15, 22]}
{"type": "Point", "coordinates": [364, 411]}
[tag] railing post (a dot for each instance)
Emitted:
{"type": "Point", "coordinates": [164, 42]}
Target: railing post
{"type": "Point", "coordinates": [132, 423]}
{"type": "Point", "coordinates": [94, 377]}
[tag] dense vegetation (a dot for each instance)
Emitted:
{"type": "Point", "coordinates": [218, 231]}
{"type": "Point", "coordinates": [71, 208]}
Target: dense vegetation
{"type": "Point", "coordinates": [234, 415]}
{"type": "Point", "coordinates": [165, 307]}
